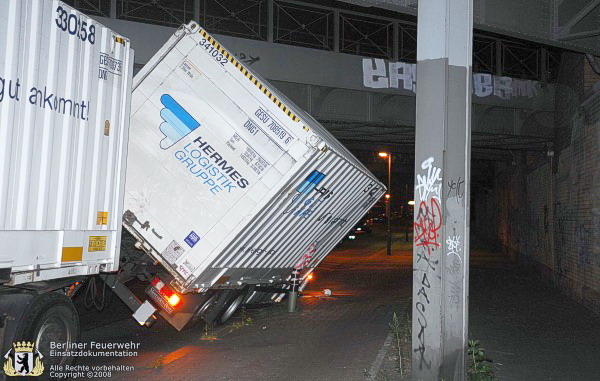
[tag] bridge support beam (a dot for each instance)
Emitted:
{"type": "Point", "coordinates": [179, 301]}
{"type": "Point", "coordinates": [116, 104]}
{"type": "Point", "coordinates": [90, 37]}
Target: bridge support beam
{"type": "Point", "coordinates": [442, 177]}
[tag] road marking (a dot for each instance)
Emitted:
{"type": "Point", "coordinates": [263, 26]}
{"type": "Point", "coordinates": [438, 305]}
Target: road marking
{"type": "Point", "coordinates": [379, 359]}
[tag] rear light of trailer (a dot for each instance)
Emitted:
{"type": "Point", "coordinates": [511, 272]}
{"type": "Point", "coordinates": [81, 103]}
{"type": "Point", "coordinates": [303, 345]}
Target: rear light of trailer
{"type": "Point", "coordinates": [174, 300]}
{"type": "Point", "coordinates": [171, 297]}
{"type": "Point", "coordinates": [305, 279]}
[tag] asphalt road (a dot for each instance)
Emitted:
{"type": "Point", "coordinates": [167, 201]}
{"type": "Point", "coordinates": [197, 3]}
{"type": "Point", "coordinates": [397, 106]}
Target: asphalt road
{"type": "Point", "coordinates": [529, 330]}
{"type": "Point", "coordinates": [328, 338]}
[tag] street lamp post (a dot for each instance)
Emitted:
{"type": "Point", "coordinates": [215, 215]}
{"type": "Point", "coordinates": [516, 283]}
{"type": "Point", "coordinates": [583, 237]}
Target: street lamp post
{"type": "Point", "coordinates": [388, 201]}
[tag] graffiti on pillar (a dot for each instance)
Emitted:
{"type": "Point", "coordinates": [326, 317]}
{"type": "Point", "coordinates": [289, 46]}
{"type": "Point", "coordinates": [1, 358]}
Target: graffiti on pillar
{"type": "Point", "coordinates": [455, 266]}
{"type": "Point", "coordinates": [431, 263]}
{"type": "Point", "coordinates": [425, 286]}
{"type": "Point", "coordinates": [456, 188]}
{"type": "Point", "coordinates": [421, 307]}
{"type": "Point", "coordinates": [455, 293]}
{"type": "Point", "coordinates": [420, 349]}
{"type": "Point", "coordinates": [427, 225]}
{"type": "Point", "coordinates": [430, 183]}
{"type": "Point", "coordinates": [455, 255]}
{"type": "Point", "coordinates": [422, 320]}
{"type": "Point", "coordinates": [453, 246]}
{"type": "Point", "coordinates": [429, 217]}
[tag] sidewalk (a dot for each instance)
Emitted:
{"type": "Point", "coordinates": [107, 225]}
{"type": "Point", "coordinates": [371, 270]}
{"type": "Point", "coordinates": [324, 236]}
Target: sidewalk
{"type": "Point", "coordinates": [530, 330]}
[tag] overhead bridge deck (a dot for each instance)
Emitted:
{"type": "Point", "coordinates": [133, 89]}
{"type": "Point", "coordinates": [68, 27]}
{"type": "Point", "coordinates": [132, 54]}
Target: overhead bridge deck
{"type": "Point", "coordinates": [363, 99]}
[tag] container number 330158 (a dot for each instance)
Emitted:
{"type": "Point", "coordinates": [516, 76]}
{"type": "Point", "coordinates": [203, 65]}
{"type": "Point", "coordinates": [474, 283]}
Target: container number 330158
{"type": "Point", "coordinates": [73, 24]}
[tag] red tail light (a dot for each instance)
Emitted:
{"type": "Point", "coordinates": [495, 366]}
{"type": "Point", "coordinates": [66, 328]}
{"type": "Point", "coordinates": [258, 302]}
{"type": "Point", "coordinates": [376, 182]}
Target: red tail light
{"type": "Point", "coordinates": [174, 300]}
{"type": "Point", "coordinates": [166, 292]}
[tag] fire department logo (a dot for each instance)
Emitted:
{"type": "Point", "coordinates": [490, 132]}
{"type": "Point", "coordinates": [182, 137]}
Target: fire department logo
{"type": "Point", "coordinates": [23, 359]}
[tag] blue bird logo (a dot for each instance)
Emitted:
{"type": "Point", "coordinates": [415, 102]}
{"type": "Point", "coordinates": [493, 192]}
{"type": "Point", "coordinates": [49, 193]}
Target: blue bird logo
{"type": "Point", "coordinates": [177, 124]}
{"type": "Point", "coordinates": [310, 182]}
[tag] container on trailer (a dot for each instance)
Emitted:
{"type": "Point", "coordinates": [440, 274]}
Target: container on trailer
{"type": "Point", "coordinates": [65, 85]}
{"type": "Point", "coordinates": [228, 182]}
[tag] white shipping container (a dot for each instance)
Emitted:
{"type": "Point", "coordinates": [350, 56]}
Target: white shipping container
{"type": "Point", "coordinates": [65, 84]}
{"type": "Point", "coordinates": [229, 183]}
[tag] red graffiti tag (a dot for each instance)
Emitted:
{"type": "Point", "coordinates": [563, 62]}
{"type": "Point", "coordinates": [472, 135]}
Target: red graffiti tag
{"type": "Point", "coordinates": [306, 257]}
{"type": "Point", "coordinates": [427, 224]}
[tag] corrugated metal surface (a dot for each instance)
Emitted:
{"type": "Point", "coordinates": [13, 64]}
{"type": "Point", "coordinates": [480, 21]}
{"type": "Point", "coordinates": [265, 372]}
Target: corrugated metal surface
{"type": "Point", "coordinates": [293, 232]}
{"type": "Point", "coordinates": [196, 108]}
{"type": "Point", "coordinates": [65, 82]}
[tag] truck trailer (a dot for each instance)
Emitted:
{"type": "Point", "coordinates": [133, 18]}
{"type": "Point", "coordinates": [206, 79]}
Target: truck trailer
{"type": "Point", "coordinates": [65, 92]}
{"type": "Point", "coordinates": [228, 192]}
{"type": "Point", "coordinates": [237, 193]}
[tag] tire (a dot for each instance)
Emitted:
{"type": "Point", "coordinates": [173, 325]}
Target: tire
{"type": "Point", "coordinates": [233, 305]}
{"type": "Point", "coordinates": [51, 317]}
{"type": "Point", "coordinates": [214, 312]}
{"type": "Point", "coordinates": [203, 309]}
{"type": "Point", "coordinates": [229, 301]}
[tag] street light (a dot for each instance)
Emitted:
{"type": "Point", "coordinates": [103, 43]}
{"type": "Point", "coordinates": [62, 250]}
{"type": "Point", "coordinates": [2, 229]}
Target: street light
{"type": "Point", "coordinates": [388, 155]}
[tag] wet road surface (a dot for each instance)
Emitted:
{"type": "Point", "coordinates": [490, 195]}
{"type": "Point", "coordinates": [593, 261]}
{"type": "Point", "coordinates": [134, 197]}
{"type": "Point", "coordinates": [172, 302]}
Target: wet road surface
{"type": "Point", "coordinates": [328, 338]}
{"type": "Point", "coordinates": [529, 329]}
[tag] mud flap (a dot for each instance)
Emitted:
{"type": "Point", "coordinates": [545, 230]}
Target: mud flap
{"type": "Point", "coordinates": [13, 304]}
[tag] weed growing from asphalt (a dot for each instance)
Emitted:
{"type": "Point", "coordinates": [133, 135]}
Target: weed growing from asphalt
{"type": "Point", "coordinates": [479, 367]}
{"type": "Point", "coordinates": [397, 334]}
{"type": "Point", "coordinates": [246, 320]}
{"type": "Point", "coordinates": [236, 325]}
{"type": "Point", "coordinates": [402, 333]}
{"type": "Point", "coordinates": [398, 362]}
{"type": "Point", "coordinates": [209, 334]}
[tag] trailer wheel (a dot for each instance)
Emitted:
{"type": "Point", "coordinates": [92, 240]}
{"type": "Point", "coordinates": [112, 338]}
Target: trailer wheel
{"type": "Point", "coordinates": [229, 301]}
{"type": "Point", "coordinates": [209, 302]}
{"type": "Point", "coordinates": [51, 317]}
{"type": "Point", "coordinates": [213, 312]}
{"type": "Point", "coordinates": [233, 304]}
{"type": "Point", "coordinates": [203, 309]}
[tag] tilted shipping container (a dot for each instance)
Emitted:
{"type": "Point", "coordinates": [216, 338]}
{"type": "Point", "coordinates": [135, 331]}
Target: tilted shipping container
{"type": "Point", "coordinates": [228, 182]}
{"type": "Point", "coordinates": [65, 84]}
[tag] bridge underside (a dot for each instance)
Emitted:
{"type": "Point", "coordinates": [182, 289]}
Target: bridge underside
{"type": "Point", "coordinates": [352, 66]}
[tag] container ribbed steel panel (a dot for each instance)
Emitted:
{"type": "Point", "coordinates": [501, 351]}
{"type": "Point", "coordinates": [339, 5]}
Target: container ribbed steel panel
{"type": "Point", "coordinates": [65, 85]}
{"type": "Point", "coordinates": [228, 182]}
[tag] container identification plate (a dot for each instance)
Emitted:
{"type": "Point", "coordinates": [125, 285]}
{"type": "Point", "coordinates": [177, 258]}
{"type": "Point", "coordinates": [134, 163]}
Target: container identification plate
{"type": "Point", "coordinates": [97, 243]}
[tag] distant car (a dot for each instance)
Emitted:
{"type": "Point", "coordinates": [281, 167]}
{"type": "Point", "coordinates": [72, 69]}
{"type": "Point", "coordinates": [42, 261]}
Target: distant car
{"type": "Point", "coordinates": [376, 214]}
{"type": "Point", "coordinates": [362, 228]}
{"type": "Point", "coordinates": [378, 219]}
